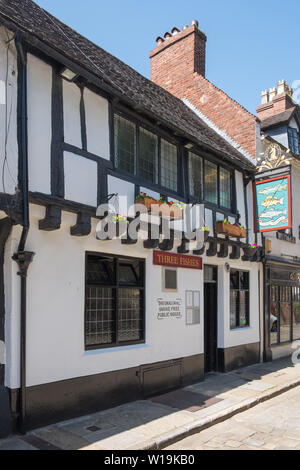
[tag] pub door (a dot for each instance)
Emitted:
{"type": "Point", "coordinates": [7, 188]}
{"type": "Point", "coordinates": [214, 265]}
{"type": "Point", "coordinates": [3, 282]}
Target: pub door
{"type": "Point", "coordinates": [210, 318]}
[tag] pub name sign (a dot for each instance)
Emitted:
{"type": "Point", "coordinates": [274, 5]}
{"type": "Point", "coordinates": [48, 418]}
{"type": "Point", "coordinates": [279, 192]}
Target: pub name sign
{"type": "Point", "coordinates": [176, 261]}
{"type": "Point", "coordinates": [273, 204]}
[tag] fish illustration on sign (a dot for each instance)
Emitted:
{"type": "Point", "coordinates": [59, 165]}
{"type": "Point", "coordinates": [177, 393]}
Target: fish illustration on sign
{"type": "Point", "coordinates": [273, 189]}
{"type": "Point", "coordinates": [274, 223]}
{"type": "Point", "coordinates": [272, 201]}
{"type": "Point", "coordinates": [271, 214]}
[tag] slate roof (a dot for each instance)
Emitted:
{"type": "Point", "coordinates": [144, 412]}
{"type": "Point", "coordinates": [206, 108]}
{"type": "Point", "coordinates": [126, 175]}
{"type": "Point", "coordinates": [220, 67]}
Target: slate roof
{"type": "Point", "coordinates": [278, 119]}
{"type": "Point", "coordinates": [171, 111]}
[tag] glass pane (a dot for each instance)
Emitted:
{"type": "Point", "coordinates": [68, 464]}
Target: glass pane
{"type": "Point", "coordinates": [296, 320]}
{"type": "Point", "coordinates": [244, 308]}
{"type": "Point", "coordinates": [125, 144]}
{"type": "Point", "coordinates": [225, 188]}
{"type": "Point", "coordinates": [170, 279]}
{"type": "Point", "coordinates": [130, 272]}
{"type": "Point", "coordinates": [148, 156]}
{"type": "Point", "coordinates": [244, 280]}
{"type": "Point", "coordinates": [234, 280]}
{"type": "Point", "coordinates": [100, 308]}
{"type": "Point", "coordinates": [233, 308]}
{"type": "Point", "coordinates": [274, 323]}
{"type": "Point", "coordinates": [130, 322]}
{"type": "Point", "coordinates": [211, 182]}
{"type": "Point", "coordinates": [100, 270]}
{"type": "Point", "coordinates": [285, 322]}
{"type": "Point", "coordinates": [169, 167]}
{"type": "Point", "coordinates": [195, 175]}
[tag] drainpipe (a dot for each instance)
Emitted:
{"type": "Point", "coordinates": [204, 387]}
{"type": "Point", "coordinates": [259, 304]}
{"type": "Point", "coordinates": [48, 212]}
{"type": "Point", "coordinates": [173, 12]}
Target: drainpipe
{"type": "Point", "coordinates": [22, 257]}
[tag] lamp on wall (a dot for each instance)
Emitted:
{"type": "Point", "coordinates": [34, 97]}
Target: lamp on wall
{"type": "Point", "coordinates": [68, 74]}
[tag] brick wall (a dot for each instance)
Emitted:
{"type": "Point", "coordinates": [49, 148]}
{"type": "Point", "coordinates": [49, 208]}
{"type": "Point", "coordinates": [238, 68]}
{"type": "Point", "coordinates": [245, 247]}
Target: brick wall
{"type": "Point", "coordinates": [279, 104]}
{"type": "Point", "coordinates": [178, 65]}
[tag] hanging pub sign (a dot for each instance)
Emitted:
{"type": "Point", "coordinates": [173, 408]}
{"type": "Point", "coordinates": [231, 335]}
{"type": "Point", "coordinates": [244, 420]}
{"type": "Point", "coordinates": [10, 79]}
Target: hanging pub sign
{"type": "Point", "coordinates": [273, 204]}
{"type": "Point", "coordinates": [176, 261]}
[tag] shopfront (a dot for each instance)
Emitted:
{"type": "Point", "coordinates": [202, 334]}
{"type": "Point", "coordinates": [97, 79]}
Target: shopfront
{"type": "Point", "coordinates": [283, 306]}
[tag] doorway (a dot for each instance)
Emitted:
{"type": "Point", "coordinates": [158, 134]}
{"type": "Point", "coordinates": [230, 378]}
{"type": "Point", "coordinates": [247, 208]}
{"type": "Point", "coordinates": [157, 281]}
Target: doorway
{"type": "Point", "coordinates": [210, 318]}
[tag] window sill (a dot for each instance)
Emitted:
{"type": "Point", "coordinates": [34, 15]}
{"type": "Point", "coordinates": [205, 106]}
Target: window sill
{"type": "Point", "coordinates": [241, 328]}
{"type": "Point", "coordinates": [113, 349]}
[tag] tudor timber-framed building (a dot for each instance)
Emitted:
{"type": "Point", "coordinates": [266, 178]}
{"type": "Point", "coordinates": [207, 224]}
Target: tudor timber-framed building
{"type": "Point", "coordinates": [79, 316]}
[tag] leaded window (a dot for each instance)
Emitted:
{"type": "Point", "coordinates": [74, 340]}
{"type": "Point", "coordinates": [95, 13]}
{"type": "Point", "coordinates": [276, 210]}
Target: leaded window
{"type": "Point", "coordinates": [148, 156]}
{"type": "Point", "coordinates": [211, 182]}
{"type": "Point", "coordinates": [225, 188]}
{"type": "Point", "coordinates": [196, 175]}
{"type": "Point", "coordinates": [114, 302]}
{"type": "Point", "coordinates": [239, 299]}
{"type": "Point", "coordinates": [169, 165]}
{"type": "Point", "coordinates": [293, 140]}
{"type": "Point", "coordinates": [125, 144]}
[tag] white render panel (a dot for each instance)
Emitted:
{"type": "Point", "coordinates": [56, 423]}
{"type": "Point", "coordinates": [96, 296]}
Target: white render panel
{"type": "Point", "coordinates": [240, 197]}
{"type": "Point", "coordinates": [209, 221]}
{"type": "Point", "coordinates": [39, 124]}
{"type": "Point", "coordinates": [125, 192]}
{"type": "Point", "coordinates": [8, 103]}
{"type": "Point", "coordinates": [97, 124]}
{"type": "Point", "coordinates": [72, 121]}
{"type": "Point", "coordinates": [80, 179]}
{"type": "Point", "coordinates": [56, 326]}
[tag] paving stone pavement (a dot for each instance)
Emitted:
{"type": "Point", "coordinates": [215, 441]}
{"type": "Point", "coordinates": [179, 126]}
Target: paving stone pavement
{"type": "Point", "coordinates": [150, 424]}
{"type": "Point", "coordinates": [272, 425]}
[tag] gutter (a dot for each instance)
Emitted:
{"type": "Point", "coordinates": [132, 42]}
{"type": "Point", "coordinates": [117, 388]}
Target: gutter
{"type": "Point", "coordinates": [22, 257]}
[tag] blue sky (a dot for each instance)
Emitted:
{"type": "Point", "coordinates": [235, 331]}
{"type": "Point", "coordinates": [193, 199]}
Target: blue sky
{"type": "Point", "coordinates": [251, 43]}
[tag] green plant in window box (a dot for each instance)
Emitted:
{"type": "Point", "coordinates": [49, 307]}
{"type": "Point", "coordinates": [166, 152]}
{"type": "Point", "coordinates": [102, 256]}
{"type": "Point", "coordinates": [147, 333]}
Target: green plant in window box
{"type": "Point", "coordinates": [235, 230]}
{"type": "Point", "coordinates": [161, 206]}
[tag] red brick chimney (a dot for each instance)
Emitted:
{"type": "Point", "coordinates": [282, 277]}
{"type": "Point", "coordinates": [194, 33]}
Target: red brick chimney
{"type": "Point", "coordinates": [275, 101]}
{"type": "Point", "coordinates": [178, 65]}
{"type": "Point", "coordinates": [178, 56]}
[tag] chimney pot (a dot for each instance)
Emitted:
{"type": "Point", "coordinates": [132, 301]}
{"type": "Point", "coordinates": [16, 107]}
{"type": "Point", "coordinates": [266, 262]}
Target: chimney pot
{"type": "Point", "coordinates": [185, 27]}
{"type": "Point", "coordinates": [167, 35]}
{"type": "Point", "coordinates": [175, 31]}
{"type": "Point", "coordinates": [273, 93]}
{"type": "Point", "coordinates": [195, 23]}
{"type": "Point", "coordinates": [264, 97]}
{"type": "Point", "coordinates": [159, 40]}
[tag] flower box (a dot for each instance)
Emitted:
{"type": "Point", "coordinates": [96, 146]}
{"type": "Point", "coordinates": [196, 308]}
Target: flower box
{"type": "Point", "coordinates": [230, 230]}
{"type": "Point", "coordinates": [161, 208]}
{"type": "Point", "coordinates": [249, 251]}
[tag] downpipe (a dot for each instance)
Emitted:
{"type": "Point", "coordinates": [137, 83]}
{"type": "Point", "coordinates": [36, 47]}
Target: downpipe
{"type": "Point", "coordinates": [23, 258]}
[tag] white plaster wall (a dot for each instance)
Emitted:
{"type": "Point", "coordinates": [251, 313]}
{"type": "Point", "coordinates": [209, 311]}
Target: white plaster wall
{"type": "Point", "coordinates": [227, 337]}
{"type": "Point", "coordinates": [125, 192]}
{"type": "Point", "coordinates": [80, 179]}
{"type": "Point", "coordinates": [56, 288]}
{"type": "Point", "coordinates": [10, 175]}
{"type": "Point", "coordinates": [97, 124]}
{"type": "Point", "coordinates": [240, 196]}
{"type": "Point", "coordinates": [39, 124]}
{"type": "Point", "coordinates": [72, 122]}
